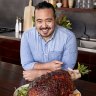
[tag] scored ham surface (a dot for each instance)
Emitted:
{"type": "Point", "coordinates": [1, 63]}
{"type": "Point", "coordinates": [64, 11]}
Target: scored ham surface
{"type": "Point", "coordinates": [57, 83]}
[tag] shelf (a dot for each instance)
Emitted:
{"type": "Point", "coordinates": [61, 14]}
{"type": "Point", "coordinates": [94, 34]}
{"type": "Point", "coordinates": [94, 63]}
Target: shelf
{"type": "Point", "coordinates": [77, 10]}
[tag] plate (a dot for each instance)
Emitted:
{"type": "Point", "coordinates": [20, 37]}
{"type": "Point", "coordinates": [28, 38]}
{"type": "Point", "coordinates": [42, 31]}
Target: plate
{"type": "Point", "coordinates": [19, 89]}
{"type": "Point", "coordinates": [76, 92]}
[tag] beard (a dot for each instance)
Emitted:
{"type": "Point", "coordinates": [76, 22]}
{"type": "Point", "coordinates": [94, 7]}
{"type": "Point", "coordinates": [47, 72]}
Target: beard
{"type": "Point", "coordinates": [46, 28]}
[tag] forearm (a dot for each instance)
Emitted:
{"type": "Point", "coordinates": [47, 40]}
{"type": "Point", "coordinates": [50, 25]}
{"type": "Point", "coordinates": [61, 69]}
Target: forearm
{"type": "Point", "coordinates": [38, 73]}
{"type": "Point", "coordinates": [53, 65]}
{"type": "Point", "coordinates": [70, 54]}
{"type": "Point", "coordinates": [41, 72]}
{"type": "Point", "coordinates": [40, 69]}
{"type": "Point", "coordinates": [41, 66]}
{"type": "Point", "coordinates": [32, 74]}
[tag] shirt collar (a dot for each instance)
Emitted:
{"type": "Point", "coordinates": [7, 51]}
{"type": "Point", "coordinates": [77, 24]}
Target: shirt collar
{"type": "Point", "coordinates": [53, 34]}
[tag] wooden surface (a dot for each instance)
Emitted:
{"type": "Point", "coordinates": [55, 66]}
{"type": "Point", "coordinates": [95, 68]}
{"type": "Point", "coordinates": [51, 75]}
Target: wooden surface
{"type": "Point", "coordinates": [10, 50]}
{"type": "Point", "coordinates": [88, 59]}
{"type": "Point", "coordinates": [11, 78]}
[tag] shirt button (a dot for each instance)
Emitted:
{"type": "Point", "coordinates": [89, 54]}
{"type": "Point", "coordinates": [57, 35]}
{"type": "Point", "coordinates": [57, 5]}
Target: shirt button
{"type": "Point", "coordinates": [45, 54]}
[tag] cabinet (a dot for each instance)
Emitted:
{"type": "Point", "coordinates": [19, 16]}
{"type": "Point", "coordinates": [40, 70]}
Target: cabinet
{"type": "Point", "coordinates": [88, 59]}
{"type": "Point", "coordinates": [10, 50]}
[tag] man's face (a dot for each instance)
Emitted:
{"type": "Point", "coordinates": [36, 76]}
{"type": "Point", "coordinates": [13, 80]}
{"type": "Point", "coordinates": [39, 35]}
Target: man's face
{"type": "Point", "coordinates": [44, 22]}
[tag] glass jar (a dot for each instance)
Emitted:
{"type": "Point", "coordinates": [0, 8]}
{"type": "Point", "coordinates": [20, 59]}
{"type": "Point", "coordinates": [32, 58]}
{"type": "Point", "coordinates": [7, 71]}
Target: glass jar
{"type": "Point", "coordinates": [78, 3]}
{"type": "Point", "coordinates": [53, 2]}
{"type": "Point", "coordinates": [86, 4]}
{"type": "Point", "coordinates": [70, 3]}
{"type": "Point", "coordinates": [83, 4]}
{"type": "Point", "coordinates": [90, 4]}
{"type": "Point", "coordinates": [65, 3]}
{"type": "Point", "coordinates": [94, 4]}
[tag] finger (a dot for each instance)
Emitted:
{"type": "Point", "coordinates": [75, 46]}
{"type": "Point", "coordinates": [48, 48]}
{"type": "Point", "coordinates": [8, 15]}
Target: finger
{"type": "Point", "coordinates": [25, 72]}
{"type": "Point", "coordinates": [26, 78]}
{"type": "Point", "coordinates": [58, 68]}
{"type": "Point", "coordinates": [59, 62]}
{"type": "Point", "coordinates": [29, 78]}
{"type": "Point", "coordinates": [58, 65]}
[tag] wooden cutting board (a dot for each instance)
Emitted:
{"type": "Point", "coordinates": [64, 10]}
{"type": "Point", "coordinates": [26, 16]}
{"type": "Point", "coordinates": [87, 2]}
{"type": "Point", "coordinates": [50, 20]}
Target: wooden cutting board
{"type": "Point", "coordinates": [28, 14]}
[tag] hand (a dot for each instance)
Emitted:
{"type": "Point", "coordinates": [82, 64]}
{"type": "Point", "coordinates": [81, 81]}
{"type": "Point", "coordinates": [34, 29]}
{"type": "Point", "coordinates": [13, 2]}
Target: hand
{"type": "Point", "coordinates": [30, 75]}
{"type": "Point", "coordinates": [75, 74]}
{"type": "Point", "coordinates": [54, 65]}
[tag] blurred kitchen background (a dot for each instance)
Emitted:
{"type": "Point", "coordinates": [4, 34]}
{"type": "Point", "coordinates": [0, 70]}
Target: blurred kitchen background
{"type": "Point", "coordinates": [82, 22]}
{"type": "Point", "coordinates": [10, 9]}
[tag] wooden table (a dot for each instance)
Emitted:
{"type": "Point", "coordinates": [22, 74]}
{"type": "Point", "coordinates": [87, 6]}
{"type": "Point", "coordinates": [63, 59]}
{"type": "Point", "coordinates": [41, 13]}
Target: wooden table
{"type": "Point", "coordinates": [11, 78]}
{"type": "Point", "coordinates": [7, 55]}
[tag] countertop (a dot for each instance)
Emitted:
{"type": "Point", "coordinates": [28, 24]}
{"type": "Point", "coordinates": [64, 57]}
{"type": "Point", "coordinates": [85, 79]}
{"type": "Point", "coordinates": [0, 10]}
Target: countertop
{"type": "Point", "coordinates": [11, 35]}
{"type": "Point", "coordinates": [13, 79]}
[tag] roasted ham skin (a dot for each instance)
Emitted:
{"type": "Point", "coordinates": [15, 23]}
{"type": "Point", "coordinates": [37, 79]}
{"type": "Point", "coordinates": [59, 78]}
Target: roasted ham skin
{"type": "Point", "coordinates": [56, 83]}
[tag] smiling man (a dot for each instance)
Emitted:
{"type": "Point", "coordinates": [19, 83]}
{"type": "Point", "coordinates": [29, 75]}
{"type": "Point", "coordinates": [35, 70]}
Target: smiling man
{"type": "Point", "coordinates": [47, 46]}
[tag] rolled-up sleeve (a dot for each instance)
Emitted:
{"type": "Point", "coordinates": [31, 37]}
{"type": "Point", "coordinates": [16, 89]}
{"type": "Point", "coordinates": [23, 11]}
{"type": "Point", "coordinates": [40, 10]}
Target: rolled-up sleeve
{"type": "Point", "coordinates": [27, 60]}
{"type": "Point", "coordinates": [70, 53]}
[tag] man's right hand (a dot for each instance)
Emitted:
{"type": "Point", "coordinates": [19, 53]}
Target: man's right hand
{"type": "Point", "coordinates": [40, 69]}
{"type": "Point", "coordinates": [54, 65]}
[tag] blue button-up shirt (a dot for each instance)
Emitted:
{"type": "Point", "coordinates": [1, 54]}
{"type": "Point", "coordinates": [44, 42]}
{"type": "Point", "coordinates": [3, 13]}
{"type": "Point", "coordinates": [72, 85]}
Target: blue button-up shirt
{"type": "Point", "coordinates": [61, 46]}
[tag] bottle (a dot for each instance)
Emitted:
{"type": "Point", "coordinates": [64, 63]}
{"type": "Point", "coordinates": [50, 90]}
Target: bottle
{"type": "Point", "coordinates": [17, 27]}
{"type": "Point", "coordinates": [78, 3]}
{"type": "Point", "coordinates": [90, 4]}
{"type": "Point", "coordinates": [20, 28]}
{"type": "Point", "coordinates": [65, 3]}
{"type": "Point", "coordinates": [94, 4]}
{"type": "Point", "coordinates": [59, 3]}
{"type": "Point", "coordinates": [53, 2]}
{"type": "Point", "coordinates": [70, 3]}
{"type": "Point", "coordinates": [28, 14]}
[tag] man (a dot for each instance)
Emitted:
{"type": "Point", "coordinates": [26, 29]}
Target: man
{"type": "Point", "coordinates": [47, 47]}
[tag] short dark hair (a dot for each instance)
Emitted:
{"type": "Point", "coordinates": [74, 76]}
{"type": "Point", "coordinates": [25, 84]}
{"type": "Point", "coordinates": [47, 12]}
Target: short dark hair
{"type": "Point", "coordinates": [43, 5]}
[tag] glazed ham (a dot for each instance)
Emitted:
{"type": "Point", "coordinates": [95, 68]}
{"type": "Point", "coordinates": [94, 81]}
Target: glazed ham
{"type": "Point", "coordinates": [57, 83]}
